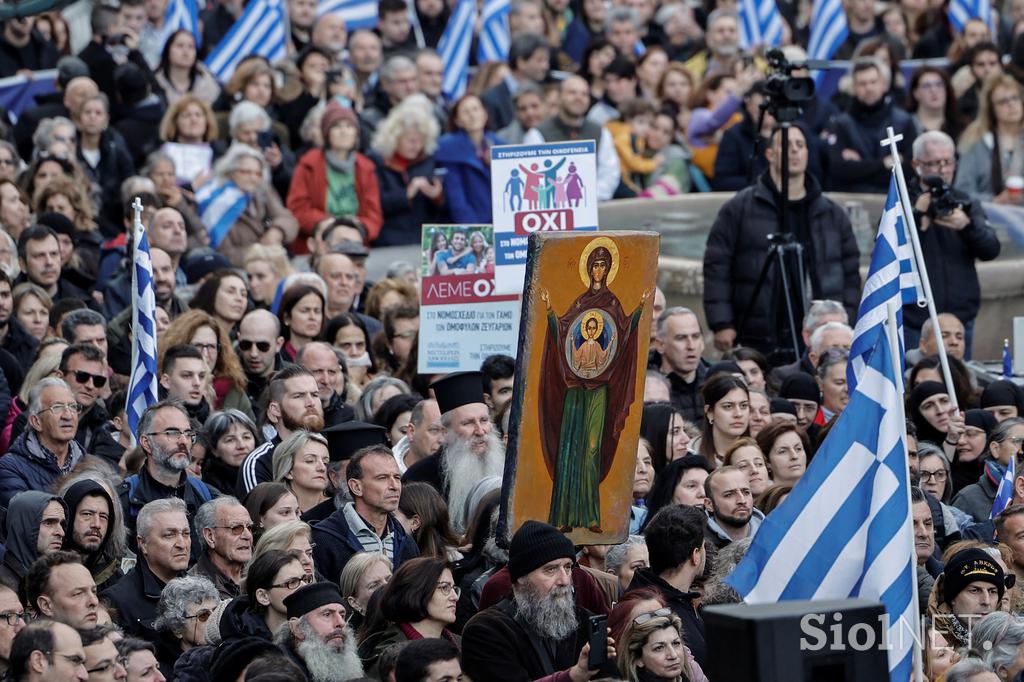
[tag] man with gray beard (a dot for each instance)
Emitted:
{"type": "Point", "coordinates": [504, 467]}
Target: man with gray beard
{"type": "Point", "coordinates": [471, 449]}
{"type": "Point", "coordinates": [316, 636]}
{"type": "Point", "coordinates": [539, 631]}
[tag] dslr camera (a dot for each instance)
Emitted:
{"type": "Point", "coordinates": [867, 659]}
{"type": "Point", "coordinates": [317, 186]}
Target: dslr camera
{"type": "Point", "coordinates": [943, 201]}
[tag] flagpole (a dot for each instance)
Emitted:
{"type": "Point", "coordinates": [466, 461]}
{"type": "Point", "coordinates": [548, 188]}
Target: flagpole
{"type": "Point", "coordinates": [892, 331]}
{"type": "Point", "coordinates": [922, 269]}
{"type": "Point", "coordinates": [136, 238]}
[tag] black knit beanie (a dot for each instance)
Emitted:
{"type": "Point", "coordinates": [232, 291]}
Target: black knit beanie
{"type": "Point", "coordinates": [971, 566]}
{"type": "Point", "coordinates": [534, 545]}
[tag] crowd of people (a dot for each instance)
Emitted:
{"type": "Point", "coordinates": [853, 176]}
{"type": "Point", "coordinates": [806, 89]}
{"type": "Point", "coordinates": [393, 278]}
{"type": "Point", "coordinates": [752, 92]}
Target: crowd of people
{"type": "Point", "coordinates": [302, 503]}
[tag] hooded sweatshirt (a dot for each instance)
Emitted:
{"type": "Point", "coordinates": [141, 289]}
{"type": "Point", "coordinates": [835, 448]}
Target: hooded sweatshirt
{"type": "Point", "coordinates": [101, 566]}
{"type": "Point", "coordinates": [23, 518]}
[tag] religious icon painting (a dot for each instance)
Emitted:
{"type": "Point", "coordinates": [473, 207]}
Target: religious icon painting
{"type": "Point", "coordinates": [575, 422]}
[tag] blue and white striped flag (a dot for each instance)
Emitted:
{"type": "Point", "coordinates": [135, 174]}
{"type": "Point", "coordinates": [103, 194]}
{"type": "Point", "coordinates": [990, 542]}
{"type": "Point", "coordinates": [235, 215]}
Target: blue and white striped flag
{"type": "Point", "coordinates": [845, 529]}
{"type": "Point", "coordinates": [891, 277]}
{"type": "Point", "coordinates": [181, 14]}
{"type": "Point", "coordinates": [454, 48]}
{"type": "Point", "coordinates": [494, 38]}
{"type": "Point", "coordinates": [760, 24]}
{"type": "Point", "coordinates": [262, 29]}
{"type": "Point", "coordinates": [220, 204]}
{"type": "Point", "coordinates": [142, 385]}
{"type": "Point", "coordinates": [1004, 493]}
{"type": "Point", "coordinates": [828, 29]}
{"type": "Point", "coordinates": [962, 11]}
{"type": "Point", "coordinates": [356, 13]}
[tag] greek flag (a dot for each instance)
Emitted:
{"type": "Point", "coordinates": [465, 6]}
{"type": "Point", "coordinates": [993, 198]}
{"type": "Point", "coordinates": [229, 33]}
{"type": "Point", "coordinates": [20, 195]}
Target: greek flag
{"type": "Point", "coordinates": [962, 11]}
{"type": "Point", "coordinates": [356, 13]}
{"type": "Point", "coordinates": [845, 529]}
{"type": "Point", "coordinates": [182, 14]}
{"type": "Point", "coordinates": [1004, 493]}
{"type": "Point", "coordinates": [828, 29]}
{"type": "Point", "coordinates": [891, 277]}
{"type": "Point", "coordinates": [454, 48]}
{"type": "Point", "coordinates": [142, 385]}
{"type": "Point", "coordinates": [494, 39]}
{"type": "Point", "coordinates": [760, 24]}
{"type": "Point", "coordinates": [262, 30]}
{"type": "Point", "coordinates": [220, 204]}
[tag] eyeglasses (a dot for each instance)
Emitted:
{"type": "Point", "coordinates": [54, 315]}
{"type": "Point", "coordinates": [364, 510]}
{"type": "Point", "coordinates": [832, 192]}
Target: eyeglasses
{"type": "Point", "coordinates": [201, 616]}
{"type": "Point", "coordinates": [1016, 440]}
{"type": "Point", "coordinates": [206, 347]}
{"type": "Point", "coordinates": [938, 164]}
{"type": "Point", "coordinates": [237, 528]}
{"type": "Point", "coordinates": [294, 582]}
{"type": "Point", "coordinates": [938, 476]}
{"type": "Point", "coordinates": [174, 434]}
{"type": "Point", "coordinates": [931, 85]}
{"type": "Point", "coordinates": [59, 408]}
{"type": "Point", "coordinates": [12, 617]}
{"type": "Point", "coordinates": [103, 667]}
{"type": "Point", "coordinates": [245, 345]}
{"type": "Point", "coordinates": [447, 588]}
{"type": "Point", "coordinates": [660, 613]}
{"type": "Point", "coordinates": [1009, 99]}
{"type": "Point", "coordinates": [98, 380]}
{"type": "Point", "coordinates": [408, 334]}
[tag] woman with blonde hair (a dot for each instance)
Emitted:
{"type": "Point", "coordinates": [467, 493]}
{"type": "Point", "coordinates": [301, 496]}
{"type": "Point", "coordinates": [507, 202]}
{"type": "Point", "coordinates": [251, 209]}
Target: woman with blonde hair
{"type": "Point", "coordinates": [300, 462]}
{"type": "Point", "coordinates": [403, 151]}
{"type": "Point", "coordinates": [992, 147]}
{"type": "Point", "coordinates": [388, 294]}
{"type": "Point", "coordinates": [651, 648]}
{"type": "Point", "coordinates": [288, 535]}
{"type": "Point", "coordinates": [189, 122]}
{"type": "Point", "coordinates": [63, 195]}
{"type": "Point", "coordinates": [31, 308]}
{"type": "Point", "coordinates": [364, 574]}
{"type": "Point", "coordinates": [266, 266]}
{"type": "Point", "coordinates": [201, 330]}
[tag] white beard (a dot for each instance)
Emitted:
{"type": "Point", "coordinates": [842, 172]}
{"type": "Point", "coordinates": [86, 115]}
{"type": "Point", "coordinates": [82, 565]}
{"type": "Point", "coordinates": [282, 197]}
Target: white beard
{"type": "Point", "coordinates": [326, 663]}
{"type": "Point", "coordinates": [552, 616]}
{"type": "Point", "coordinates": [463, 469]}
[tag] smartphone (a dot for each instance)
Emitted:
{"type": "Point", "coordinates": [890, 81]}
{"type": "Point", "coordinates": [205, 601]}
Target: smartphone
{"type": "Point", "coordinates": [264, 139]}
{"type": "Point", "coordinates": [748, 61]}
{"type": "Point", "coordinates": [598, 655]}
{"type": "Point", "coordinates": [116, 39]}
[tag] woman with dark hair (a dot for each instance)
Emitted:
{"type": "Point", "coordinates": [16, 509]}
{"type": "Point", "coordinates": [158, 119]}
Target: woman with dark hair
{"type": "Point", "coordinates": [681, 482]}
{"type": "Point", "coordinates": [586, 27]}
{"type": "Point", "coordinates": [270, 504]}
{"type": "Point", "coordinates": [348, 333]}
{"type": "Point", "coordinates": [772, 497]}
{"type": "Point", "coordinates": [598, 54]}
{"type": "Point", "coordinates": [225, 296]}
{"type": "Point", "coordinates": [663, 426]}
{"type": "Point", "coordinates": [301, 313]}
{"type": "Point", "coordinates": [424, 514]}
{"type": "Point", "coordinates": [726, 414]}
{"type": "Point", "coordinates": [418, 602]}
{"type": "Point", "coordinates": [932, 102]}
{"type": "Point", "coordinates": [230, 437]}
{"type": "Point", "coordinates": [754, 365]}
{"type": "Point", "coordinates": [438, 244]}
{"type": "Point", "coordinates": [745, 454]}
{"type": "Point", "coordinates": [260, 611]}
{"type": "Point", "coordinates": [969, 460]}
{"type": "Point", "coordinates": [786, 451]}
{"type": "Point", "coordinates": [936, 421]}
{"type": "Point", "coordinates": [1003, 445]}
{"type": "Point", "coordinates": [465, 154]}
{"type": "Point", "coordinates": [180, 73]}
{"type": "Point", "coordinates": [394, 415]}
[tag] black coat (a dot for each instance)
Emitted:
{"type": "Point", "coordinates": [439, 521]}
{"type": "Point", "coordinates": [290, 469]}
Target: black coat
{"type": "Point", "coordinates": [338, 411]}
{"type": "Point", "coordinates": [140, 126]}
{"type": "Point", "coordinates": [19, 343]}
{"type": "Point", "coordinates": [428, 470]}
{"type": "Point", "coordinates": [191, 490]}
{"type": "Point", "coordinates": [135, 597]}
{"type": "Point", "coordinates": [36, 55]}
{"type": "Point", "coordinates": [404, 219]}
{"type": "Point", "coordinates": [861, 129]}
{"type": "Point", "coordinates": [497, 648]}
{"type": "Point", "coordinates": [335, 544]}
{"type": "Point", "coordinates": [682, 604]}
{"type": "Point", "coordinates": [114, 166]}
{"type": "Point", "coordinates": [738, 246]}
{"type": "Point", "coordinates": [501, 109]}
{"type": "Point", "coordinates": [949, 256]}
{"type": "Point", "coordinates": [49, 105]}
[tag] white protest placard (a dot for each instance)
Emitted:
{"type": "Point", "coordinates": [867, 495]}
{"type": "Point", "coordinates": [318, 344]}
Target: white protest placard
{"type": "Point", "coordinates": [462, 319]}
{"type": "Point", "coordinates": [548, 187]}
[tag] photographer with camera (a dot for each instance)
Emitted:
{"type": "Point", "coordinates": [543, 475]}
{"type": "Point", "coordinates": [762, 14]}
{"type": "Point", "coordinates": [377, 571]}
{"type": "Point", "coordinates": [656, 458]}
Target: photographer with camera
{"type": "Point", "coordinates": [953, 233]}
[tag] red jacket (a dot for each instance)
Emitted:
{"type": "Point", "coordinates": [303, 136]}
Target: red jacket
{"type": "Point", "coordinates": [307, 196]}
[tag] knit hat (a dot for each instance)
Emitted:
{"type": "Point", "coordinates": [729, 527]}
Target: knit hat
{"type": "Point", "coordinates": [970, 566]}
{"type": "Point", "coordinates": [781, 406]}
{"type": "Point", "coordinates": [800, 386]}
{"type": "Point", "coordinates": [534, 545]}
{"type": "Point", "coordinates": [999, 393]}
{"type": "Point", "coordinates": [334, 113]}
{"type": "Point", "coordinates": [980, 419]}
{"type": "Point", "coordinates": [310, 597]}
{"type": "Point", "coordinates": [212, 629]}
{"type": "Point", "coordinates": [458, 389]}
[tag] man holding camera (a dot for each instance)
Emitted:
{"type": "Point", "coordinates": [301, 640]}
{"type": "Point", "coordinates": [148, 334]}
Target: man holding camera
{"type": "Point", "coordinates": [953, 232]}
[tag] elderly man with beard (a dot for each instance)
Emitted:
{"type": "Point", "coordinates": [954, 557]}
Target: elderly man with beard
{"type": "Point", "coordinates": [343, 442]}
{"type": "Point", "coordinates": [368, 523]}
{"type": "Point", "coordinates": [34, 527]}
{"type": "Point", "coordinates": [226, 529]}
{"type": "Point", "coordinates": [506, 641]}
{"type": "Point", "coordinates": [95, 531]}
{"type": "Point", "coordinates": [729, 505]}
{"type": "Point", "coordinates": [316, 636]}
{"type": "Point", "coordinates": [471, 451]}
{"type": "Point", "coordinates": [294, 404]}
{"type": "Point", "coordinates": [166, 437]}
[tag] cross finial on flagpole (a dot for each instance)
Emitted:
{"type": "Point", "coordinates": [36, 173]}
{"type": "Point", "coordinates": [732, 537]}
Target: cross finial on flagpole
{"type": "Point", "coordinates": [137, 207]}
{"type": "Point", "coordinates": [891, 140]}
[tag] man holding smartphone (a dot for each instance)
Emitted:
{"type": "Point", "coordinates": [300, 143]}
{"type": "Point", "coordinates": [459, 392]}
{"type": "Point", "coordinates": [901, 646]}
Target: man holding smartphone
{"type": "Point", "coordinates": [539, 630]}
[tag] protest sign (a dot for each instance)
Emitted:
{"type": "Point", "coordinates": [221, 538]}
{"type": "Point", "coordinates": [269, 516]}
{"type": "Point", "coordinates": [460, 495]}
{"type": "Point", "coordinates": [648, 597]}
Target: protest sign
{"type": "Point", "coordinates": [538, 188]}
{"type": "Point", "coordinates": [462, 319]}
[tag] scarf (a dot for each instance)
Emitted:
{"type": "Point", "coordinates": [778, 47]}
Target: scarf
{"type": "Point", "coordinates": [221, 203]}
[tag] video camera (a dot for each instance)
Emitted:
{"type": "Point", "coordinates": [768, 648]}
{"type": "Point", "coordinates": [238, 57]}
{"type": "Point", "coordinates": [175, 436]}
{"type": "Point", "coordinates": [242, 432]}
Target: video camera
{"type": "Point", "coordinates": [786, 93]}
{"type": "Point", "coordinates": [942, 200]}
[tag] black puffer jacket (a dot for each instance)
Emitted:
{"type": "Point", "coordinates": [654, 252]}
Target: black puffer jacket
{"type": "Point", "coordinates": [738, 245]}
{"type": "Point", "coordinates": [404, 219]}
{"type": "Point", "coordinates": [860, 130]}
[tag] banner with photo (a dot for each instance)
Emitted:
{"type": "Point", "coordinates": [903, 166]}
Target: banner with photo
{"type": "Point", "coordinates": [462, 319]}
{"type": "Point", "coordinates": [548, 187]}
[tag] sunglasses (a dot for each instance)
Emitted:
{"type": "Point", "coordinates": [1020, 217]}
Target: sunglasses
{"type": "Point", "coordinates": [660, 613]}
{"type": "Point", "coordinates": [98, 380]}
{"type": "Point", "coordinates": [246, 345]}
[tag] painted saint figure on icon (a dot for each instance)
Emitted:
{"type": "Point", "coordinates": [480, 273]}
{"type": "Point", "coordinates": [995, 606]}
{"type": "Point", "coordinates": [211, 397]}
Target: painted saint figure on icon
{"type": "Point", "coordinates": [589, 367]}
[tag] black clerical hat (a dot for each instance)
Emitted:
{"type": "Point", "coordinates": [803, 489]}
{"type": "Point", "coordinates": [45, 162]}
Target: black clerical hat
{"type": "Point", "coordinates": [458, 389]}
{"type": "Point", "coordinates": [345, 439]}
{"type": "Point", "coordinates": [311, 597]}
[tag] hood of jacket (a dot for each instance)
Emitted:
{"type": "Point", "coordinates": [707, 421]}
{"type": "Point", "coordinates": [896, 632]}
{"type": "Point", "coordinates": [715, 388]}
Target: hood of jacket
{"type": "Point", "coordinates": [238, 621]}
{"type": "Point", "coordinates": [756, 519]}
{"type": "Point", "coordinates": [73, 498]}
{"type": "Point", "coordinates": [23, 517]}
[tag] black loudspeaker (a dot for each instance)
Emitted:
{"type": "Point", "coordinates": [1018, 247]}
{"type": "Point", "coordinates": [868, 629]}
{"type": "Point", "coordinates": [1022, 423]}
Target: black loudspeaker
{"type": "Point", "coordinates": [797, 641]}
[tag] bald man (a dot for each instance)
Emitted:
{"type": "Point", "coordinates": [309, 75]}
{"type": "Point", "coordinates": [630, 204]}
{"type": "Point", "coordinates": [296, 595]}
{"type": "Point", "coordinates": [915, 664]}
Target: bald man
{"type": "Point", "coordinates": [259, 341]}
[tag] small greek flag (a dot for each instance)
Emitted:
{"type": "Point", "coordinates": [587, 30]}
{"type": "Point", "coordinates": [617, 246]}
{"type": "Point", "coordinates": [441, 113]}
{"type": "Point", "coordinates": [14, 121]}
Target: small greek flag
{"type": "Point", "coordinates": [494, 39]}
{"type": "Point", "coordinates": [262, 29]}
{"type": "Point", "coordinates": [962, 11]}
{"type": "Point", "coordinates": [760, 24]}
{"type": "Point", "coordinates": [182, 14]}
{"type": "Point", "coordinates": [356, 13]}
{"type": "Point", "coordinates": [142, 385]}
{"type": "Point", "coordinates": [220, 205]}
{"type": "Point", "coordinates": [454, 48]}
{"type": "Point", "coordinates": [828, 29]}
{"type": "Point", "coordinates": [1007, 360]}
{"type": "Point", "coordinates": [1004, 494]}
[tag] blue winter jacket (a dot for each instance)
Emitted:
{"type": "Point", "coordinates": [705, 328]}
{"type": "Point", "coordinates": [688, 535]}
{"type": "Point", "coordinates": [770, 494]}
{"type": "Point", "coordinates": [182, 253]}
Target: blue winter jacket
{"type": "Point", "coordinates": [29, 466]}
{"type": "Point", "coordinates": [468, 183]}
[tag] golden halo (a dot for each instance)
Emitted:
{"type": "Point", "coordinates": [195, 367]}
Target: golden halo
{"type": "Point", "coordinates": [592, 315]}
{"type": "Point", "coordinates": [613, 270]}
